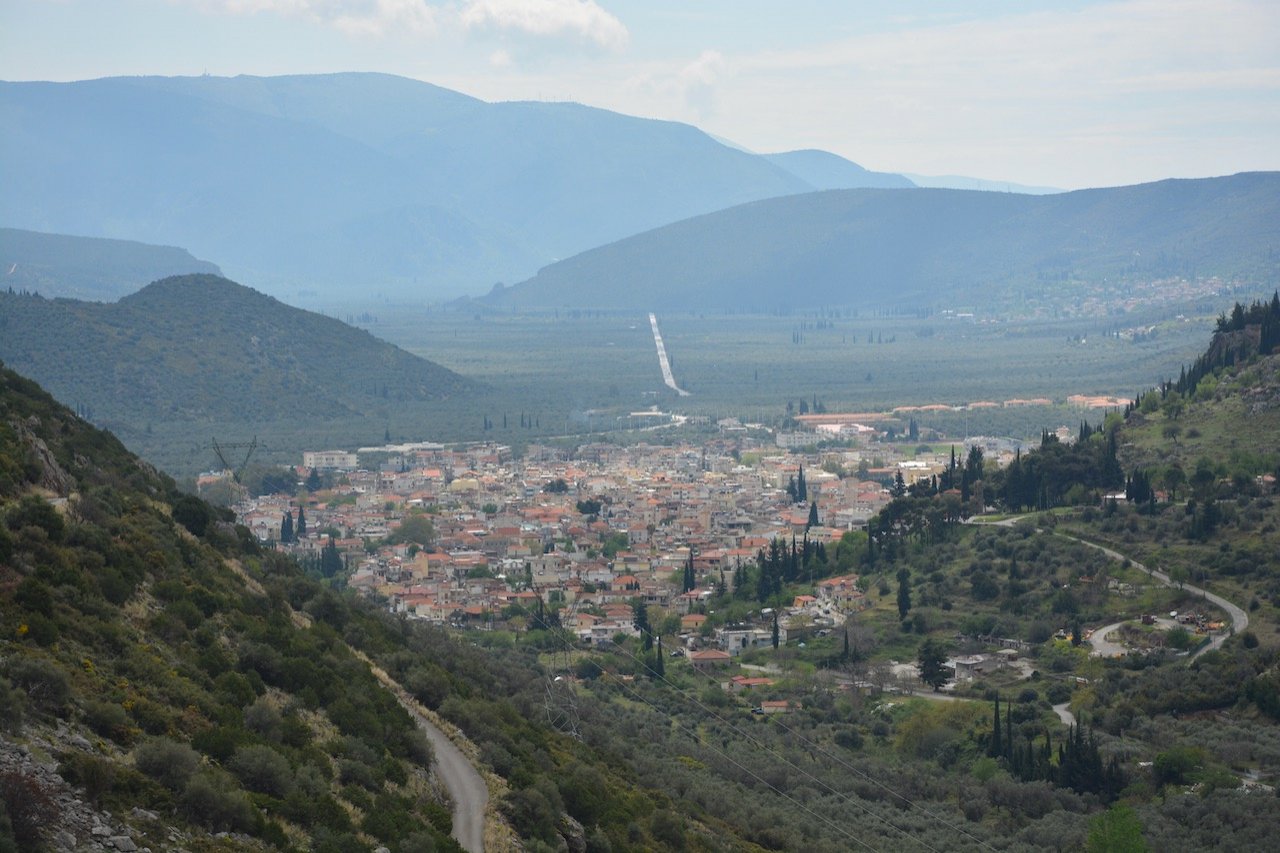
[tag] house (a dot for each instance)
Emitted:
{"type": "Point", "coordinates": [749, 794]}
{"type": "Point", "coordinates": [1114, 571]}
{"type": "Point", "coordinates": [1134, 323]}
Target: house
{"type": "Point", "coordinates": [969, 668]}
{"type": "Point", "coordinates": [741, 683]}
{"type": "Point", "coordinates": [734, 640]}
{"type": "Point", "coordinates": [779, 706]}
{"type": "Point", "coordinates": [692, 622]}
{"type": "Point", "coordinates": [841, 591]}
{"type": "Point", "coordinates": [709, 659]}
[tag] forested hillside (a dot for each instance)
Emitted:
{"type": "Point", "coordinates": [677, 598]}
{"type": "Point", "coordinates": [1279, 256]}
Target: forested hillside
{"type": "Point", "coordinates": [929, 249]}
{"type": "Point", "coordinates": [202, 348]}
{"type": "Point", "coordinates": [177, 676]}
{"type": "Point", "coordinates": [184, 681]}
{"type": "Point", "coordinates": [86, 267]}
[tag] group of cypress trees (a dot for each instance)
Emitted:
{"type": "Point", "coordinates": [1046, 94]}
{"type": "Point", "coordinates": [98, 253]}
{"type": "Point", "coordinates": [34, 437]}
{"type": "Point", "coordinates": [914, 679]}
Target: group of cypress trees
{"type": "Point", "coordinates": [781, 565]}
{"type": "Point", "coordinates": [1265, 316]}
{"type": "Point", "coordinates": [1078, 764]}
{"type": "Point", "coordinates": [289, 530]}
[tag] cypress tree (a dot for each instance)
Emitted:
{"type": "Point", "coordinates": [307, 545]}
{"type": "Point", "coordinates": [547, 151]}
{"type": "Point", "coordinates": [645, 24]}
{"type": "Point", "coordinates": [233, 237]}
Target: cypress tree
{"type": "Point", "coordinates": [300, 529]}
{"type": "Point", "coordinates": [996, 749]}
{"type": "Point", "coordinates": [286, 528]}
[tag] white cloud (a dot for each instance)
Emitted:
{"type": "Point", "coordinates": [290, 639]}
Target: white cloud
{"type": "Point", "coordinates": [582, 19]}
{"type": "Point", "coordinates": [358, 17]}
{"type": "Point", "coordinates": [698, 81]}
{"type": "Point", "coordinates": [500, 59]}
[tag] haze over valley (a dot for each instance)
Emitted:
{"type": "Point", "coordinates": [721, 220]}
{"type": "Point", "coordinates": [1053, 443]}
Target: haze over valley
{"type": "Point", "coordinates": [598, 426]}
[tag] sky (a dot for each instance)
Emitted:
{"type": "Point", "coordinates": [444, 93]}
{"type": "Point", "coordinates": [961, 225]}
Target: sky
{"type": "Point", "coordinates": [1067, 94]}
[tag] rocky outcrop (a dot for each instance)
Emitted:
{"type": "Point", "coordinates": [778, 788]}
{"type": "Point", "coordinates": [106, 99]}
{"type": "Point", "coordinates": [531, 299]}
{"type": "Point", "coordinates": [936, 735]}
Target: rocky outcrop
{"type": "Point", "coordinates": [52, 477]}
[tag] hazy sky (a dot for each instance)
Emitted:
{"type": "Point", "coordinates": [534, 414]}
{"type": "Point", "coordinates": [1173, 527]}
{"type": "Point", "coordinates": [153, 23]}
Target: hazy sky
{"type": "Point", "coordinates": [1070, 94]}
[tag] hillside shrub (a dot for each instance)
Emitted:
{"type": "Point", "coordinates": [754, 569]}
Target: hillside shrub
{"type": "Point", "coordinates": [47, 687]}
{"type": "Point", "coordinates": [170, 763]}
{"type": "Point", "coordinates": [262, 769]}
{"type": "Point", "coordinates": [212, 802]}
{"type": "Point", "coordinates": [109, 720]}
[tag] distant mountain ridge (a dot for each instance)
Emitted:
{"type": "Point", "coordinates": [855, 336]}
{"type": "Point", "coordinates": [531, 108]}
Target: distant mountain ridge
{"type": "Point", "coordinates": [322, 184]}
{"type": "Point", "coordinates": [925, 247]}
{"type": "Point", "coordinates": [961, 182]}
{"type": "Point", "coordinates": [201, 348]}
{"type": "Point", "coordinates": [826, 171]}
{"type": "Point", "coordinates": [89, 268]}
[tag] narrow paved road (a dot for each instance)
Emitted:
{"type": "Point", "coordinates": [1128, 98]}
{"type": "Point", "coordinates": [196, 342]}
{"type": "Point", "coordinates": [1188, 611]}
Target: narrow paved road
{"type": "Point", "coordinates": [668, 378]}
{"type": "Point", "coordinates": [466, 787]}
{"type": "Point", "coordinates": [464, 783]}
{"type": "Point", "coordinates": [1063, 710]}
{"type": "Point", "coordinates": [1239, 619]}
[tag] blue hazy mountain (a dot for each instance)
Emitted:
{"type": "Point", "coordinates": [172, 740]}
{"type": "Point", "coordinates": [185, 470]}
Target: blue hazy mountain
{"type": "Point", "coordinates": [960, 182]}
{"type": "Point", "coordinates": [823, 170]}
{"type": "Point", "coordinates": [359, 184]}
{"type": "Point", "coordinates": [926, 248]}
{"type": "Point", "coordinates": [87, 268]}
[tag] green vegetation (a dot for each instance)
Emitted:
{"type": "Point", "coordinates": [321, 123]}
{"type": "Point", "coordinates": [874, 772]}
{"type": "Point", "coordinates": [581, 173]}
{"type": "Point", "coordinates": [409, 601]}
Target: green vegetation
{"type": "Point", "coordinates": [224, 688]}
{"type": "Point", "coordinates": [201, 349]}
{"type": "Point", "coordinates": [224, 699]}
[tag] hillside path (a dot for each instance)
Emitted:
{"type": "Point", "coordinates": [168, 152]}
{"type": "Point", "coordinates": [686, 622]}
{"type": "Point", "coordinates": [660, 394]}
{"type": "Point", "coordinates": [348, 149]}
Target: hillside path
{"type": "Point", "coordinates": [466, 787]}
{"type": "Point", "coordinates": [464, 783]}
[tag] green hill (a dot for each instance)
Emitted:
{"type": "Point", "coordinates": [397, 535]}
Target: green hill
{"type": "Point", "coordinates": [1222, 414]}
{"type": "Point", "coordinates": [202, 348]}
{"type": "Point", "coordinates": [929, 249]}
{"type": "Point", "coordinates": [87, 267]}
{"type": "Point", "coordinates": [153, 688]}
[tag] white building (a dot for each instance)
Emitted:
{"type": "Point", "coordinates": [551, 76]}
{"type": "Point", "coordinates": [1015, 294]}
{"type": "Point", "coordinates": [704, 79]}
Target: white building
{"type": "Point", "coordinates": [321, 459]}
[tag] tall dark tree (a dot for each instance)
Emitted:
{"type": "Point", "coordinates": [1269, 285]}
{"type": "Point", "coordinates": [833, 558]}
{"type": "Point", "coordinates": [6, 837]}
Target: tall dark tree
{"type": "Point", "coordinates": [813, 516]}
{"type": "Point", "coordinates": [640, 619]}
{"type": "Point", "coordinates": [932, 658]}
{"type": "Point", "coordinates": [995, 748]}
{"type": "Point", "coordinates": [313, 481]}
{"type": "Point", "coordinates": [904, 593]}
{"type": "Point", "coordinates": [802, 489]}
{"type": "Point", "coordinates": [286, 528]}
{"type": "Point", "coordinates": [330, 559]}
{"type": "Point", "coordinates": [300, 529]}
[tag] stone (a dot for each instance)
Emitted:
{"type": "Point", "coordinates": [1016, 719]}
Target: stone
{"type": "Point", "coordinates": [123, 843]}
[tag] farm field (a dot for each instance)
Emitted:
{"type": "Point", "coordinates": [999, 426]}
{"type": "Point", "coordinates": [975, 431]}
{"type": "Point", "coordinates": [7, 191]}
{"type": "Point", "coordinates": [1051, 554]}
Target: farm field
{"type": "Point", "coordinates": [545, 377]}
{"type": "Point", "coordinates": [750, 366]}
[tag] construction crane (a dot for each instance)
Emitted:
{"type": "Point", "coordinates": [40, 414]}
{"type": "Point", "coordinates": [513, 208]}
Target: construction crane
{"type": "Point", "coordinates": [222, 449]}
